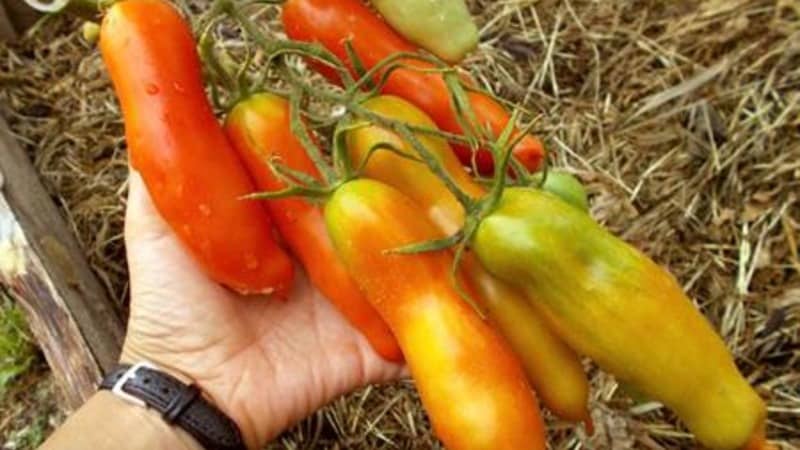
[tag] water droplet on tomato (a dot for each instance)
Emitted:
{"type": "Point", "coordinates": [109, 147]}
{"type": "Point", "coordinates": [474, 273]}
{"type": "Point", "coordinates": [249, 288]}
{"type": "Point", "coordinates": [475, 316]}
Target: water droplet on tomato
{"type": "Point", "coordinates": [179, 87]}
{"type": "Point", "coordinates": [152, 89]}
{"type": "Point", "coordinates": [338, 111]}
{"type": "Point", "coordinates": [204, 209]}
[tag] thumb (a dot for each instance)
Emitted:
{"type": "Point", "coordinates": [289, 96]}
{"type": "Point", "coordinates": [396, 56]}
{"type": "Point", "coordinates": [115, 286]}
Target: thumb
{"type": "Point", "coordinates": [156, 256]}
{"type": "Point", "coordinates": [142, 220]}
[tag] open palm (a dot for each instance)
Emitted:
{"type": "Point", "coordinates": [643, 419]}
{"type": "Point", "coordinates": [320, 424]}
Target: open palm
{"type": "Point", "coordinates": [267, 363]}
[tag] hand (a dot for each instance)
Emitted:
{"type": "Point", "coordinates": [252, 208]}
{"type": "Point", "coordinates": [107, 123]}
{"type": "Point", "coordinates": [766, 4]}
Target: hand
{"type": "Point", "coordinates": [265, 362]}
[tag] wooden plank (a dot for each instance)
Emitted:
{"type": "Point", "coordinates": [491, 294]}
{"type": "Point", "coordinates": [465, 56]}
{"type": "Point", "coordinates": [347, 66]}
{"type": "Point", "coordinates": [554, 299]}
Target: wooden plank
{"type": "Point", "coordinates": [23, 274]}
{"type": "Point", "coordinates": [15, 18]}
{"type": "Point", "coordinates": [41, 264]}
{"type": "Point", "coordinates": [7, 30]}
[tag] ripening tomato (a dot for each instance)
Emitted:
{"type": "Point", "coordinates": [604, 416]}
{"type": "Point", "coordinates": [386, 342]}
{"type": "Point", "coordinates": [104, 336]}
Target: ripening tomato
{"type": "Point", "coordinates": [332, 23]}
{"type": "Point", "coordinates": [554, 369]}
{"type": "Point", "coordinates": [259, 128]}
{"type": "Point", "coordinates": [470, 382]}
{"type": "Point", "coordinates": [612, 303]}
{"type": "Point", "coordinates": [566, 187]}
{"type": "Point", "coordinates": [175, 142]}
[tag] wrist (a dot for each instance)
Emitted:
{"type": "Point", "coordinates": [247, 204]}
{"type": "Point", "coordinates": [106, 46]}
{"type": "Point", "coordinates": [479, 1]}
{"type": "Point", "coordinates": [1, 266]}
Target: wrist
{"type": "Point", "coordinates": [157, 433]}
{"type": "Point", "coordinates": [197, 392]}
{"type": "Point", "coordinates": [121, 425]}
{"type": "Point", "coordinates": [131, 356]}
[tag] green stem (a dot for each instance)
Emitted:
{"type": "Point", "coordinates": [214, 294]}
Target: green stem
{"type": "Point", "coordinates": [384, 79]}
{"type": "Point", "coordinates": [474, 133]}
{"type": "Point", "coordinates": [245, 88]}
{"type": "Point", "coordinates": [451, 137]}
{"type": "Point", "coordinates": [459, 101]}
{"type": "Point", "coordinates": [466, 117]}
{"type": "Point", "coordinates": [434, 165]}
{"type": "Point", "coordinates": [291, 176]}
{"type": "Point", "coordinates": [218, 73]}
{"type": "Point", "coordinates": [274, 48]}
{"type": "Point", "coordinates": [385, 146]}
{"type": "Point", "coordinates": [339, 152]}
{"type": "Point", "coordinates": [426, 155]}
{"type": "Point", "coordinates": [318, 122]}
{"type": "Point", "coordinates": [503, 148]}
{"type": "Point", "coordinates": [457, 256]}
{"type": "Point", "coordinates": [545, 169]}
{"type": "Point", "coordinates": [433, 245]}
{"type": "Point", "coordinates": [358, 65]}
{"type": "Point", "coordinates": [301, 132]}
{"type": "Point", "coordinates": [298, 82]}
{"type": "Point", "coordinates": [420, 129]}
{"type": "Point", "coordinates": [520, 171]}
{"type": "Point", "coordinates": [331, 97]}
{"type": "Point", "coordinates": [294, 191]}
{"type": "Point", "coordinates": [390, 64]}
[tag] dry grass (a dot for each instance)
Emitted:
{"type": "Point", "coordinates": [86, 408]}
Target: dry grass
{"type": "Point", "coordinates": [682, 117]}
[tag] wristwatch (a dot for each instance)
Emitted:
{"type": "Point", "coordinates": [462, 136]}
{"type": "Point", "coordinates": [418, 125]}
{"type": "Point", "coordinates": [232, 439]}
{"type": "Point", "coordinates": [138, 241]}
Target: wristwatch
{"type": "Point", "coordinates": [183, 405]}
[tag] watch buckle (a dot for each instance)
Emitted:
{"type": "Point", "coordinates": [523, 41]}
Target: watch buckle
{"type": "Point", "coordinates": [127, 376]}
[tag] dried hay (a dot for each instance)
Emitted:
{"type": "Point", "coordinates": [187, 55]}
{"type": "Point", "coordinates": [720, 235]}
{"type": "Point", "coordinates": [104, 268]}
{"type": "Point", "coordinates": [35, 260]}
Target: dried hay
{"type": "Point", "coordinates": [683, 118]}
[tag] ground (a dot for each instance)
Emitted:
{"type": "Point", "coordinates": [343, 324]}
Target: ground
{"type": "Point", "coordinates": [682, 118]}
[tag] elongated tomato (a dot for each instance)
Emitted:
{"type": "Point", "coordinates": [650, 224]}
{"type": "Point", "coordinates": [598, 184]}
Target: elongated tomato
{"type": "Point", "coordinates": [443, 27]}
{"type": "Point", "coordinates": [259, 130]}
{"type": "Point", "coordinates": [192, 172]}
{"type": "Point", "coordinates": [471, 384]}
{"type": "Point", "coordinates": [332, 23]}
{"type": "Point", "coordinates": [554, 369]}
{"type": "Point", "coordinates": [614, 304]}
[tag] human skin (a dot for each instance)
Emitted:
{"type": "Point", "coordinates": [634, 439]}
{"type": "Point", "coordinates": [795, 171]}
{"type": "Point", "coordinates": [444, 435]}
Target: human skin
{"type": "Point", "coordinates": [267, 364]}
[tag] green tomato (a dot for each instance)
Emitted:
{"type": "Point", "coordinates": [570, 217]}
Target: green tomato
{"type": "Point", "coordinates": [91, 32]}
{"type": "Point", "coordinates": [566, 187]}
{"type": "Point", "coordinates": [610, 302]}
{"type": "Point", "coordinates": [443, 27]}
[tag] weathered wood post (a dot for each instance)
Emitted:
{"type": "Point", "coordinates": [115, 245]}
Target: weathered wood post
{"type": "Point", "coordinates": [44, 269]}
{"type": "Point", "coordinates": [15, 18]}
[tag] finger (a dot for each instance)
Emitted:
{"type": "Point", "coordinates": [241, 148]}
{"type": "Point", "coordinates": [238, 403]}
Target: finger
{"type": "Point", "coordinates": [142, 220]}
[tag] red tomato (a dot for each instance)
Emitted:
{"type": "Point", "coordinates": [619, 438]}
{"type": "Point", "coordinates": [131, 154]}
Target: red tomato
{"type": "Point", "coordinates": [259, 130]}
{"type": "Point", "coordinates": [192, 172]}
{"type": "Point", "coordinates": [332, 23]}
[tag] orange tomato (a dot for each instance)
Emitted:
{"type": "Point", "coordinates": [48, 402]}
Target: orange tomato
{"type": "Point", "coordinates": [554, 369]}
{"type": "Point", "coordinates": [174, 140]}
{"type": "Point", "coordinates": [259, 129]}
{"type": "Point", "coordinates": [332, 23]}
{"type": "Point", "coordinates": [470, 382]}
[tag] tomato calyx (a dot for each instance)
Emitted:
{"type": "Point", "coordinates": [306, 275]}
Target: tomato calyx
{"type": "Point", "coordinates": [334, 167]}
{"type": "Point", "coordinates": [238, 83]}
{"type": "Point", "coordinates": [476, 210]}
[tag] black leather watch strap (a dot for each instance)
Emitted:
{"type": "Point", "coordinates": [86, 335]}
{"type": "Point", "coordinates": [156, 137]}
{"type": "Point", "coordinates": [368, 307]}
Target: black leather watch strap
{"type": "Point", "coordinates": [179, 404]}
